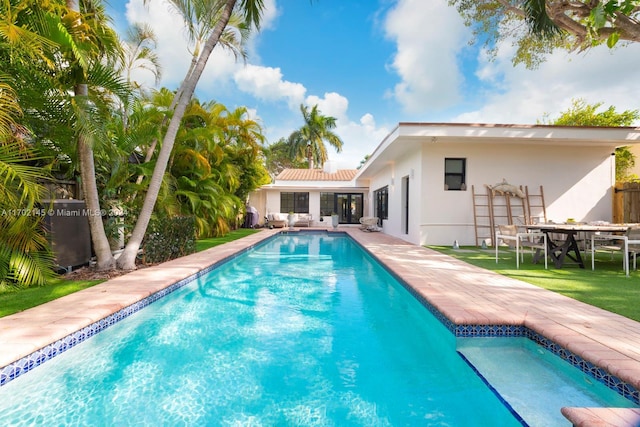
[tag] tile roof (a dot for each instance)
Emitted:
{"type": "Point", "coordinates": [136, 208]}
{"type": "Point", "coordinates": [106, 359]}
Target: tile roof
{"type": "Point", "coordinates": [316, 175]}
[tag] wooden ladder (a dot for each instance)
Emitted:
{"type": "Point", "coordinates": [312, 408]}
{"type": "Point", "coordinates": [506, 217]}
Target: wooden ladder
{"type": "Point", "coordinates": [493, 208]}
{"type": "Point", "coordinates": [535, 206]}
{"type": "Point", "coordinates": [482, 217]}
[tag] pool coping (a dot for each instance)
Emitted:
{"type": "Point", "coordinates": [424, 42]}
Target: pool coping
{"type": "Point", "coordinates": [469, 297]}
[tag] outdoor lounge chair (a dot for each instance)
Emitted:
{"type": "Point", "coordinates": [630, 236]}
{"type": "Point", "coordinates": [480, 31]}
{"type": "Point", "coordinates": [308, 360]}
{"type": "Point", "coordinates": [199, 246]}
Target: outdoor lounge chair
{"type": "Point", "coordinates": [534, 241]}
{"type": "Point", "coordinates": [301, 219]}
{"type": "Point", "coordinates": [277, 220]}
{"type": "Point", "coordinates": [369, 223]}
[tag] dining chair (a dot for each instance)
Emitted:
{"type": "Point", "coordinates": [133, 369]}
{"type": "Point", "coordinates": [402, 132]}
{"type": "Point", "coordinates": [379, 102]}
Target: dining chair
{"type": "Point", "coordinates": [633, 243]}
{"type": "Point", "coordinates": [628, 244]}
{"type": "Point", "coordinates": [532, 240]}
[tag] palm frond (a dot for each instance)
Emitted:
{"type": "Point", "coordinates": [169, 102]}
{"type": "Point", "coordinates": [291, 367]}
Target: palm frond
{"type": "Point", "coordinates": [538, 20]}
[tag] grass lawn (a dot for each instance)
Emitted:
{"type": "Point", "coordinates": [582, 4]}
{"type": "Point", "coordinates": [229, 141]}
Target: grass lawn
{"type": "Point", "coordinates": [606, 287]}
{"type": "Point", "coordinates": [15, 300]}
{"type": "Point", "coordinates": [203, 244]}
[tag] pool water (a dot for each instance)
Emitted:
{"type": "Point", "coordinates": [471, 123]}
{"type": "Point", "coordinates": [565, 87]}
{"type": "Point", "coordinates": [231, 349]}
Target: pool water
{"type": "Point", "coordinates": [536, 382]}
{"type": "Point", "coordinates": [304, 330]}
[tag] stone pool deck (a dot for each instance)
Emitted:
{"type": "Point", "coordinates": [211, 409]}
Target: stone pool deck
{"type": "Point", "coordinates": [463, 293]}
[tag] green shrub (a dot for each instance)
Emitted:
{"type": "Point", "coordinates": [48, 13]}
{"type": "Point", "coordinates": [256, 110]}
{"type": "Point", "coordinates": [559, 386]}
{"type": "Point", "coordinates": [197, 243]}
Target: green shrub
{"type": "Point", "coordinates": [169, 238]}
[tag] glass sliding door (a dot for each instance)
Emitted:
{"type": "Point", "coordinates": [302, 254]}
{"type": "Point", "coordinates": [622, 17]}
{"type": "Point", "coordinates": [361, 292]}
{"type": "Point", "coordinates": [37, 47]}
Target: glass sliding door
{"type": "Point", "coordinates": [349, 207]}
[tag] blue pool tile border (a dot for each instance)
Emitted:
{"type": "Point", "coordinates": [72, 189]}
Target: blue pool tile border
{"type": "Point", "coordinates": [474, 331]}
{"type": "Point", "coordinates": [38, 357]}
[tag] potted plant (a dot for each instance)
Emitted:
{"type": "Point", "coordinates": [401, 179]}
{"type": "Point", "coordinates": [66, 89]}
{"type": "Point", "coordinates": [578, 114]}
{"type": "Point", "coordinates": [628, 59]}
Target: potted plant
{"type": "Point", "coordinates": [335, 220]}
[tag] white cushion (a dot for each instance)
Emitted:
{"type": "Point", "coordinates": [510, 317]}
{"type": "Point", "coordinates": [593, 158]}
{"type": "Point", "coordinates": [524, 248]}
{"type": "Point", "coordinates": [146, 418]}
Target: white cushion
{"type": "Point", "coordinates": [278, 217]}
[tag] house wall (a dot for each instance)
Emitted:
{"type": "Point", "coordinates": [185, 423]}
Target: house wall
{"type": "Point", "coordinates": [268, 201]}
{"type": "Point", "coordinates": [258, 199]}
{"type": "Point", "coordinates": [406, 166]}
{"type": "Point", "coordinates": [577, 183]}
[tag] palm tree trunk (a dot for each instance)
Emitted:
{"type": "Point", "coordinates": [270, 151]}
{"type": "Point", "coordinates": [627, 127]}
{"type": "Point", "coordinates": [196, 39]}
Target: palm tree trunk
{"type": "Point", "coordinates": [154, 143]}
{"type": "Point", "coordinates": [126, 261]}
{"type": "Point", "coordinates": [101, 247]}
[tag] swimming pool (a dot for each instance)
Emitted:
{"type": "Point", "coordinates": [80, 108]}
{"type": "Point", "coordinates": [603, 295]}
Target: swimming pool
{"type": "Point", "coordinates": [303, 330]}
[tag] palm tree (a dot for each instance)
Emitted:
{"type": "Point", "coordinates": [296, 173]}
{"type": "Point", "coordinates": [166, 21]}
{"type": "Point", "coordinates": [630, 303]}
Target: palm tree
{"type": "Point", "coordinates": [245, 150]}
{"type": "Point", "coordinates": [139, 53]}
{"type": "Point", "coordinates": [92, 41]}
{"type": "Point", "coordinates": [308, 141]}
{"type": "Point", "coordinates": [252, 11]}
{"type": "Point", "coordinates": [9, 108]}
{"type": "Point", "coordinates": [200, 19]}
{"type": "Point", "coordinates": [25, 258]}
{"type": "Point", "coordinates": [27, 33]}
{"type": "Point", "coordinates": [538, 20]}
{"type": "Point", "coordinates": [215, 164]}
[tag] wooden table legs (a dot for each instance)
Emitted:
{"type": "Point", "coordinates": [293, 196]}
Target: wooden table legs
{"type": "Point", "coordinates": [558, 250]}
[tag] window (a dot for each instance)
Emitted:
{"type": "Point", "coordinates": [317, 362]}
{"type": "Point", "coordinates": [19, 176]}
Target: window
{"type": "Point", "coordinates": [294, 202]}
{"type": "Point", "coordinates": [454, 174]}
{"type": "Point", "coordinates": [381, 199]}
{"type": "Point", "coordinates": [327, 206]}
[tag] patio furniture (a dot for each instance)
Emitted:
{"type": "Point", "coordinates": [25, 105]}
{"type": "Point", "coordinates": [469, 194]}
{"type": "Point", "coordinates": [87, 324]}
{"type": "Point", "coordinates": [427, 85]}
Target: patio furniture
{"type": "Point", "coordinates": [277, 220]}
{"type": "Point", "coordinates": [301, 220]}
{"type": "Point", "coordinates": [519, 241]}
{"type": "Point", "coordinates": [561, 239]}
{"type": "Point", "coordinates": [628, 244]}
{"type": "Point", "coordinates": [369, 223]}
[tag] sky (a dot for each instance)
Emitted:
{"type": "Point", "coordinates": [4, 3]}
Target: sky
{"type": "Point", "coordinates": [374, 63]}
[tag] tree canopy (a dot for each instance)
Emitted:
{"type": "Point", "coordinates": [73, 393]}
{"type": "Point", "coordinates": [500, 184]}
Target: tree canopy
{"type": "Point", "coordinates": [308, 141]}
{"type": "Point", "coordinates": [537, 27]}
{"type": "Point", "coordinates": [278, 158]}
{"type": "Point", "coordinates": [583, 114]}
{"type": "Point", "coordinates": [59, 90]}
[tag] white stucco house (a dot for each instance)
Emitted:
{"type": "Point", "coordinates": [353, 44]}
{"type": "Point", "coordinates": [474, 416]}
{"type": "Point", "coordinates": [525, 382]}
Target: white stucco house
{"type": "Point", "coordinates": [418, 180]}
{"type": "Point", "coordinates": [319, 192]}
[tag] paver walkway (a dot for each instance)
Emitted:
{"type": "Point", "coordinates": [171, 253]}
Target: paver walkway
{"type": "Point", "coordinates": [463, 293]}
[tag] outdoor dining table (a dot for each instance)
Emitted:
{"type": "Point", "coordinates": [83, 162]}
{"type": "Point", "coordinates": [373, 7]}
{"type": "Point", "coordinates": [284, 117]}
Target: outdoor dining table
{"type": "Point", "coordinates": [561, 248]}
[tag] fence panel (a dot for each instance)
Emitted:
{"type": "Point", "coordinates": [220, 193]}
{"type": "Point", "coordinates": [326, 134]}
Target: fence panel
{"type": "Point", "coordinates": [626, 202]}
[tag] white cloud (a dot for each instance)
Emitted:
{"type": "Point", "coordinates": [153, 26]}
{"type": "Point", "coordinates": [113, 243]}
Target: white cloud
{"type": "Point", "coordinates": [429, 64]}
{"type": "Point", "coordinates": [267, 84]}
{"type": "Point", "coordinates": [171, 40]}
{"type": "Point", "coordinates": [269, 15]}
{"type": "Point", "coordinates": [360, 138]}
{"type": "Point", "coordinates": [428, 34]}
{"type": "Point", "coordinates": [173, 47]}
{"type": "Point", "coordinates": [526, 96]}
{"type": "Point", "coordinates": [333, 104]}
